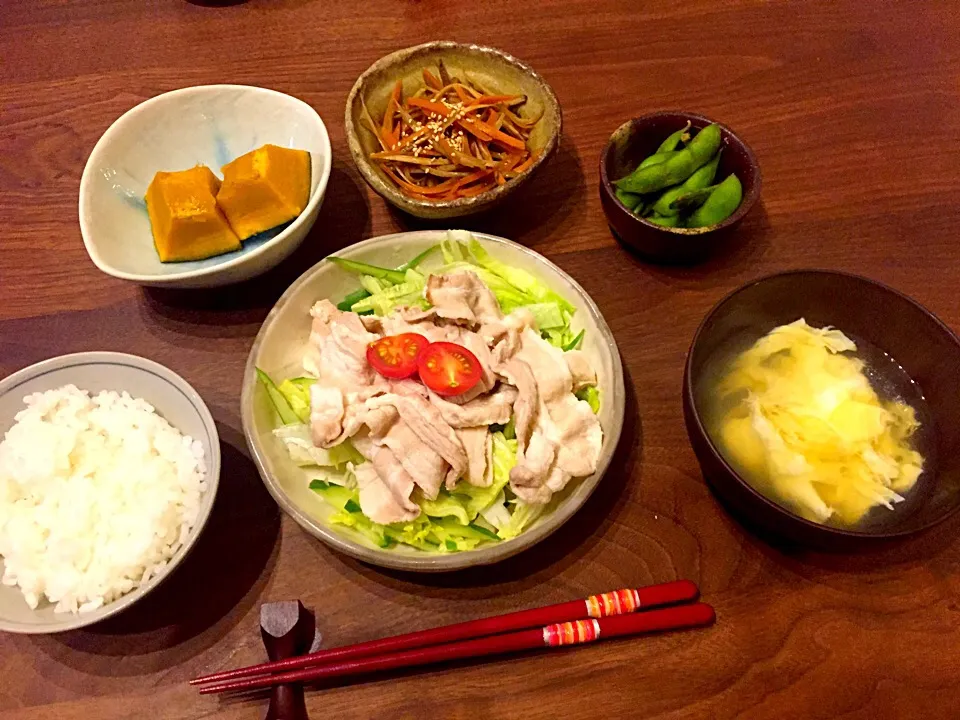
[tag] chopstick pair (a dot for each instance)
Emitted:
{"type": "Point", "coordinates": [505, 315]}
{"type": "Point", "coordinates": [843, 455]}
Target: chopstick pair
{"type": "Point", "coordinates": [578, 621]}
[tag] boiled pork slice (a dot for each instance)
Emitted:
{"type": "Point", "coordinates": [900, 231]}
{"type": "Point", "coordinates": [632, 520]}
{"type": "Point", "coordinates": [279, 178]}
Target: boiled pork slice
{"type": "Point", "coordinates": [337, 348]}
{"type": "Point", "coordinates": [419, 322]}
{"type": "Point", "coordinates": [558, 436]}
{"type": "Point", "coordinates": [427, 423]}
{"type": "Point", "coordinates": [424, 465]}
{"type": "Point", "coordinates": [491, 409]}
{"type": "Point", "coordinates": [384, 486]}
{"type": "Point", "coordinates": [336, 355]}
{"type": "Point", "coordinates": [478, 444]}
{"type": "Point", "coordinates": [462, 297]}
{"type": "Point", "coordinates": [503, 336]}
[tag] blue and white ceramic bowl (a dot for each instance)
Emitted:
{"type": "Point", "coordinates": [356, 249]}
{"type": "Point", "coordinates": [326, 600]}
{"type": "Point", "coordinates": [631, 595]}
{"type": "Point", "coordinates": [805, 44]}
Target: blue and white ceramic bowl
{"type": "Point", "coordinates": [210, 125]}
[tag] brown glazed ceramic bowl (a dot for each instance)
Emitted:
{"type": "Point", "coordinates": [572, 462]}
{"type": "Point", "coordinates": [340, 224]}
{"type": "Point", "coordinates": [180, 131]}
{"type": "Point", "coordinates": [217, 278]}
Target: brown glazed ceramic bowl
{"type": "Point", "coordinates": [493, 69]}
{"type": "Point", "coordinates": [867, 311]}
{"type": "Point", "coordinates": [639, 138]}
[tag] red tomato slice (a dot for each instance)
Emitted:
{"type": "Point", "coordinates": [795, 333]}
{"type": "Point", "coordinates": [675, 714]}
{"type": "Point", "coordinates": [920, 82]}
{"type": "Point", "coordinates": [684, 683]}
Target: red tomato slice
{"type": "Point", "coordinates": [448, 368]}
{"type": "Point", "coordinates": [395, 356]}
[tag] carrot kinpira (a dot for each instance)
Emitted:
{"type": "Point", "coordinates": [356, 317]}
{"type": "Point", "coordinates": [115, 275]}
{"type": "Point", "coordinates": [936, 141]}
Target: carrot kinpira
{"type": "Point", "coordinates": [451, 138]}
{"type": "Point", "coordinates": [431, 80]}
{"type": "Point", "coordinates": [386, 128]}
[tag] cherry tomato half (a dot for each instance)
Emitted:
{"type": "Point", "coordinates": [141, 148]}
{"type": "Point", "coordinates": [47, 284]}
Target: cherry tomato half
{"type": "Point", "coordinates": [395, 356]}
{"type": "Point", "coordinates": [448, 368]}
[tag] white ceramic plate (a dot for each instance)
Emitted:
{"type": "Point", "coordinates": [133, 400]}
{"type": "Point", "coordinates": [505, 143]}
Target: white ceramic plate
{"type": "Point", "coordinates": [172, 397]}
{"type": "Point", "coordinates": [210, 125]}
{"type": "Point", "coordinates": [278, 350]}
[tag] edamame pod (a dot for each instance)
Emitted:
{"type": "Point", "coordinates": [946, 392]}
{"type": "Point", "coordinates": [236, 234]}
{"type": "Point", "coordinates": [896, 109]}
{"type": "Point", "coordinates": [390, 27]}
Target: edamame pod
{"type": "Point", "coordinates": [674, 139]}
{"type": "Point", "coordinates": [700, 179]}
{"type": "Point", "coordinates": [721, 204]}
{"type": "Point", "coordinates": [692, 200]}
{"type": "Point", "coordinates": [678, 168]}
{"type": "Point", "coordinates": [630, 200]}
{"type": "Point", "coordinates": [665, 221]}
{"type": "Point", "coordinates": [657, 158]}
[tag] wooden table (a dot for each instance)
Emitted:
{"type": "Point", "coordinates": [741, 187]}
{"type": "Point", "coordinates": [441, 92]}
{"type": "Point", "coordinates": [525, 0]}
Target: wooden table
{"type": "Point", "coordinates": [852, 108]}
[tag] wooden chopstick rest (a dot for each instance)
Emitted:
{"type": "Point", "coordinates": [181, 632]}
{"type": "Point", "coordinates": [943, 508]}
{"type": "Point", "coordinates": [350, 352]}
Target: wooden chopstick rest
{"type": "Point", "coordinates": [288, 629]}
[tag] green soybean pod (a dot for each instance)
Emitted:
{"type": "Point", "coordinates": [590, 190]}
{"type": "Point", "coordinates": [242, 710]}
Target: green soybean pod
{"type": "Point", "coordinates": [692, 200]}
{"type": "Point", "coordinates": [657, 158]}
{"type": "Point", "coordinates": [721, 204]}
{"type": "Point", "coordinates": [629, 200]}
{"type": "Point", "coordinates": [700, 179]}
{"type": "Point", "coordinates": [665, 221]}
{"type": "Point", "coordinates": [678, 168]}
{"type": "Point", "coordinates": [674, 139]}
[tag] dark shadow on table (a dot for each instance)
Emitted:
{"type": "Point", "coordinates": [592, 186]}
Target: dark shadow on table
{"type": "Point", "coordinates": [533, 213]}
{"type": "Point", "coordinates": [214, 587]}
{"type": "Point", "coordinates": [344, 219]}
{"type": "Point", "coordinates": [551, 556]}
{"type": "Point", "coordinates": [823, 564]}
{"type": "Point", "coordinates": [745, 248]}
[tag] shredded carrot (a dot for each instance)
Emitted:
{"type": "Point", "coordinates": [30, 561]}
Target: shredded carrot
{"type": "Point", "coordinates": [431, 80]}
{"type": "Point", "coordinates": [452, 138]}
{"type": "Point", "coordinates": [525, 164]}
{"type": "Point", "coordinates": [463, 95]}
{"type": "Point", "coordinates": [386, 127]}
{"type": "Point", "coordinates": [500, 137]}
{"type": "Point", "coordinates": [498, 100]}
{"type": "Point", "coordinates": [430, 106]}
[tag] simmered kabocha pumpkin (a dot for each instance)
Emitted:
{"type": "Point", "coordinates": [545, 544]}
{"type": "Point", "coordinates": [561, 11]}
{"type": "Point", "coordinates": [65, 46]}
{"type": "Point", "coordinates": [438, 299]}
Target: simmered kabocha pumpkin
{"type": "Point", "coordinates": [264, 188]}
{"type": "Point", "coordinates": [184, 217]}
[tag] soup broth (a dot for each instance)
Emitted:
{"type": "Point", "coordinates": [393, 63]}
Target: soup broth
{"type": "Point", "coordinates": [888, 380]}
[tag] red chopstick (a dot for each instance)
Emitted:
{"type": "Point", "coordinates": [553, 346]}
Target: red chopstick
{"type": "Point", "coordinates": [595, 606]}
{"type": "Point", "coordinates": [568, 633]}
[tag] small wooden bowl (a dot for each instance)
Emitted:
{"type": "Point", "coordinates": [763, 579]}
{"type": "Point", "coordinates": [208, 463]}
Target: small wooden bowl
{"type": "Point", "coordinates": [639, 138]}
{"type": "Point", "coordinates": [493, 68]}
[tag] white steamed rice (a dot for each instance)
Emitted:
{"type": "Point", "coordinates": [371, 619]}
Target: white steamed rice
{"type": "Point", "coordinates": [96, 495]}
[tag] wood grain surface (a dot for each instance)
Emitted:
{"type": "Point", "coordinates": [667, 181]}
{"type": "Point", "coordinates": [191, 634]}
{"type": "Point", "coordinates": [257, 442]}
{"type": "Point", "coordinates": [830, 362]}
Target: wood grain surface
{"type": "Point", "coordinates": [853, 109]}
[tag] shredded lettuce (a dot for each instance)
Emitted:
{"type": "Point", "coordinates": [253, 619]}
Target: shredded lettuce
{"type": "Point", "coordinates": [372, 285]}
{"type": "Point", "coordinates": [363, 525]}
{"type": "Point", "coordinates": [548, 316]}
{"type": "Point", "coordinates": [446, 505]}
{"type": "Point", "coordinates": [384, 301]}
{"type": "Point", "coordinates": [591, 395]}
{"type": "Point", "coordinates": [450, 530]}
{"type": "Point", "coordinates": [521, 517]}
{"type": "Point", "coordinates": [452, 249]}
{"type": "Point", "coordinates": [347, 502]}
{"type": "Point", "coordinates": [297, 394]}
{"type": "Point", "coordinates": [520, 279]}
{"type": "Point", "coordinates": [497, 514]}
{"type": "Point", "coordinates": [299, 445]}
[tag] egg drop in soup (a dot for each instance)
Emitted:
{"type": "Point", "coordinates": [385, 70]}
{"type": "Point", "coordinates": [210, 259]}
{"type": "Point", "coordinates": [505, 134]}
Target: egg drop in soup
{"type": "Point", "coordinates": [797, 416]}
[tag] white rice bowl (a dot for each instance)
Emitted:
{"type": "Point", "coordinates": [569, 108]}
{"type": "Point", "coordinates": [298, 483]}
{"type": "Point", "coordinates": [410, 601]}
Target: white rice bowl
{"type": "Point", "coordinates": [177, 403]}
{"type": "Point", "coordinates": [97, 494]}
